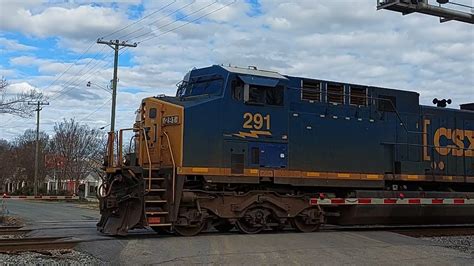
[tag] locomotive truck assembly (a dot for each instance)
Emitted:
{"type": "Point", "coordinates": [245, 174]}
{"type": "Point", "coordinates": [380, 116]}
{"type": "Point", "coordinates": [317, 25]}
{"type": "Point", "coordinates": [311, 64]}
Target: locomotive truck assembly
{"type": "Point", "coordinates": [257, 150]}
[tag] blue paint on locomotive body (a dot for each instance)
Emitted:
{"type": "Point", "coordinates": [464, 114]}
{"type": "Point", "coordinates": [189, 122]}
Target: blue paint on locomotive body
{"type": "Point", "coordinates": [278, 129]}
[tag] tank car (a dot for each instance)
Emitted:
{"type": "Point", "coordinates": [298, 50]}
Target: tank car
{"type": "Point", "coordinates": [257, 150]}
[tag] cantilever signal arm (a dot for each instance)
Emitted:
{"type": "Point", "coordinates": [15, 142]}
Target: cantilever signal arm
{"type": "Point", "coordinates": [423, 6]}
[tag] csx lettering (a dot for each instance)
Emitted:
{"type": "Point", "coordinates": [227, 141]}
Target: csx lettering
{"type": "Point", "coordinates": [256, 121]}
{"type": "Point", "coordinates": [457, 137]}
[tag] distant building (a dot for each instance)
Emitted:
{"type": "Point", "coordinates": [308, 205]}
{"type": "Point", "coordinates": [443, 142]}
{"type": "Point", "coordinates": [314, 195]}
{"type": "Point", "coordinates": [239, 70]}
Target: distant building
{"type": "Point", "coordinates": [85, 188]}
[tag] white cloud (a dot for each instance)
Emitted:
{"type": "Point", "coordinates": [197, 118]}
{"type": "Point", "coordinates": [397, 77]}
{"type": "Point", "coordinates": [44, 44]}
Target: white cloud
{"type": "Point", "coordinates": [21, 87]}
{"type": "Point", "coordinates": [82, 22]}
{"type": "Point", "coordinates": [8, 45]}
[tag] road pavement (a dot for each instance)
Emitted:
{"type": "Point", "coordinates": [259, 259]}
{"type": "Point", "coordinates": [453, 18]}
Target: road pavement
{"type": "Point", "coordinates": [321, 248]}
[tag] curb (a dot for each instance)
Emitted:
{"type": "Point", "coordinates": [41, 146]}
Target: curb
{"type": "Point", "coordinates": [41, 197]}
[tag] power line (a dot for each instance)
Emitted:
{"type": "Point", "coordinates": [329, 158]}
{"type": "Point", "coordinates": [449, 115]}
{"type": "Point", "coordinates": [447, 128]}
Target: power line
{"type": "Point", "coordinates": [138, 21]}
{"type": "Point", "coordinates": [189, 22]}
{"type": "Point", "coordinates": [183, 25]}
{"type": "Point", "coordinates": [74, 78]}
{"type": "Point", "coordinates": [59, 93]}
{"type": "Point", "coordinates": [175, 21]}
{"type": "Point", "coordinates": [95, 111]}
{"type": "Point", "coordinates": [83, 78]}
{"type": "Point", "coordinates": [75, 61]}
{"type": "Point", "coordinates": [153, 22]}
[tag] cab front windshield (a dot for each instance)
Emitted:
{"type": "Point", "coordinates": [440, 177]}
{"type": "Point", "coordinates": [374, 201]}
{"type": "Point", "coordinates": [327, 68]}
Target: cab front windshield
{"type": "Point", "coordinates": [200, 86]}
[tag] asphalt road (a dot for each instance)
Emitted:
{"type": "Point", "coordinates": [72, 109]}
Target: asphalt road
{"type": "Point", "coordinates": [322, 248]}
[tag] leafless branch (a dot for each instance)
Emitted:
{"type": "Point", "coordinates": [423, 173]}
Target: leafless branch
{"type": "Point", "coordinates": [17, 104]}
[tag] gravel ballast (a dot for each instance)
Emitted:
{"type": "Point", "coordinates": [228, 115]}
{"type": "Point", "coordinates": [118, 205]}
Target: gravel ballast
{"type": "Point", "coordinates": [461, 243]}
{"type": "Point", "coordinates": [55, 257]}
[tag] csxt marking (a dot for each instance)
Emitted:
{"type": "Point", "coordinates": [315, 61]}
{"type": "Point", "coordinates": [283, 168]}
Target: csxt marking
{"type": "Point", "coordinates": [457, 137]}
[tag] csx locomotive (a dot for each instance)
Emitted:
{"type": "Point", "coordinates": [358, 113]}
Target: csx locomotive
{"type": "Point", "coordinates": [257, 150]}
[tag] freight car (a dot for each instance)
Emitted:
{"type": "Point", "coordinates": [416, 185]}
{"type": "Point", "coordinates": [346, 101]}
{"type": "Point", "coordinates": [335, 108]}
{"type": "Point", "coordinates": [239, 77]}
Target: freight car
{"type": "Point", "coordinates": [256, 150]}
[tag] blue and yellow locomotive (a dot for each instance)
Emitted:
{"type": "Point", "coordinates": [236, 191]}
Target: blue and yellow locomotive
{"type": "Point", "coordinates": [254, 149]}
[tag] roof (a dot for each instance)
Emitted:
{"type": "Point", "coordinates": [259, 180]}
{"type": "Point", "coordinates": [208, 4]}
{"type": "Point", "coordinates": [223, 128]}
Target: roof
{"type": "Point", "coordinates": [254, 71]}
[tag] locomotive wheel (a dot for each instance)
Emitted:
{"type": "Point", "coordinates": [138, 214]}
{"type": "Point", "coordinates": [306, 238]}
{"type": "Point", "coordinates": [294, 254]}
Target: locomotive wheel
{"type": "Point", "coordinates": [246, 228]}
{"type": "Point", "coordinates": [224, 226]}
{"type": "Point", "coordinates": [254, 220]}
{"type": "Point", "coordinates": [300, 224]}
{"type": "Point", "coordinates": [190, 230]}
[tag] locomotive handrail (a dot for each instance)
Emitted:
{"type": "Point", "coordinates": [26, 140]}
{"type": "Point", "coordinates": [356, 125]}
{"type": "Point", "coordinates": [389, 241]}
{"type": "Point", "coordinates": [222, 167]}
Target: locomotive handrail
{"type": "Point", "coordinates": [174, 165]}
{"type": "Point", "coordinates": [110, 149]}
{"type": "Point", "coordinates": [149, 158]}
{"type": "Point", "coordinates": [433, 147]}
{"type": "Point", "coordinates": [368, 98]}
{"type": "Point", "coordinates": [120, 144]}
{"type": "Point", "coordinates": [429, 146]}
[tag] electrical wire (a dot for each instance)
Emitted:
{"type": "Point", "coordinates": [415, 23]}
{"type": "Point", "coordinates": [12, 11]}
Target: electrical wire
{"type": "Point", "coordinates": [187, 23]}
{"type": "Point", "coordinates": [138, 21]}
{"type": "Point", "coordinates": [153, 22]}
{"type": "Point", "coordinates": [175, 21]}
{"type": "Point", "coordinates": [95, 111]}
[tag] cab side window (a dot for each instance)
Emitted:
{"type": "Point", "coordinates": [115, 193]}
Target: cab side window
{"type": "Point", "coordinates": [256, 95]}
{"type": "Point", "coordinates": [274, 96]}
{"type": "Point", "coordinates": [237, 90]}
{"type": "Point", "coordinates": [264, 95]}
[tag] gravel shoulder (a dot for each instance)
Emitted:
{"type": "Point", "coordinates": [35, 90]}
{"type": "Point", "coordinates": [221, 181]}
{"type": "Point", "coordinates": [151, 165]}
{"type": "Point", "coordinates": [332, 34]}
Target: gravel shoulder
{"type": "Point", "coordinates": [57, 257]}
{"type": "Point", "coordinates": [461, 243]}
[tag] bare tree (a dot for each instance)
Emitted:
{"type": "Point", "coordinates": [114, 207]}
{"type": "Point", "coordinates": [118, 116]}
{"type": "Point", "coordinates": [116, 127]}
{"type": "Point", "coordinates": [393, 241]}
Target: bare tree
{"type": "Point", "coordinates": [17, 104]}
{"type": "Point", "coordinates": [80, 146]}
{"type": "Point", "coordinates": [23, 156]}
{"type": "Point", "coordinates": [5, 161]}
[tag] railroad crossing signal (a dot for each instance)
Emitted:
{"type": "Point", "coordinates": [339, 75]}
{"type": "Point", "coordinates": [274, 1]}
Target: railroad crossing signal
{"type": "Point", "coordinates": [423, 6]}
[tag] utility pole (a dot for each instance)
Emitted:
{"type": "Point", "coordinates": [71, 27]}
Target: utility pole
{"type": "Point", "coordinates": [117, 46]}
{"type": "Point", "coordinates": [38, 109]}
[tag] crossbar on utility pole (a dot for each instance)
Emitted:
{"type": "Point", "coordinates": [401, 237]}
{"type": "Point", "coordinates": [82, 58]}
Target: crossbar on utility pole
{"type": "Point", "coordinates": [38, 109]}
{"type": "Point", "coordinates": [116, 45]}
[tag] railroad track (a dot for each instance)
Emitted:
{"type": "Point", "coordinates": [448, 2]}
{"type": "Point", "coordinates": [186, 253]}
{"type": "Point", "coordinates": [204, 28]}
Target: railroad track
{"type": "Point", "coordinates": [13, 230]}
{"type": "Point", "coordinates": [36, 244]}
{"type": "Point", "coordinates": [435, 232]}
{"type": "Point", "coordinates": [412, 230]}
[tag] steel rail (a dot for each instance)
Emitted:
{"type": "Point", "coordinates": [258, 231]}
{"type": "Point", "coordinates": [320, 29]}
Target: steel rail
{"type": "Point", "coordinates": [14, 232]}
{"type": "Point", "coordinates": [38, 245]}
{"type": "Point", "coordinates": [31, 239]}
{"type": "Point", "coordinates": [15, 227]}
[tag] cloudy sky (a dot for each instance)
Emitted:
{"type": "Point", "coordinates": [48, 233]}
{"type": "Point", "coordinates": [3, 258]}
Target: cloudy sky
{"type": "Point", "coordinates": [50, 46]}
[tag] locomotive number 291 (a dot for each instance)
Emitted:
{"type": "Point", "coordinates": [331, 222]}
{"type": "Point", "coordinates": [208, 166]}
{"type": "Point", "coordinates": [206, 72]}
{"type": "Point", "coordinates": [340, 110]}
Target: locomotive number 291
{"type": "Point", "coordinates": [256, 121]}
